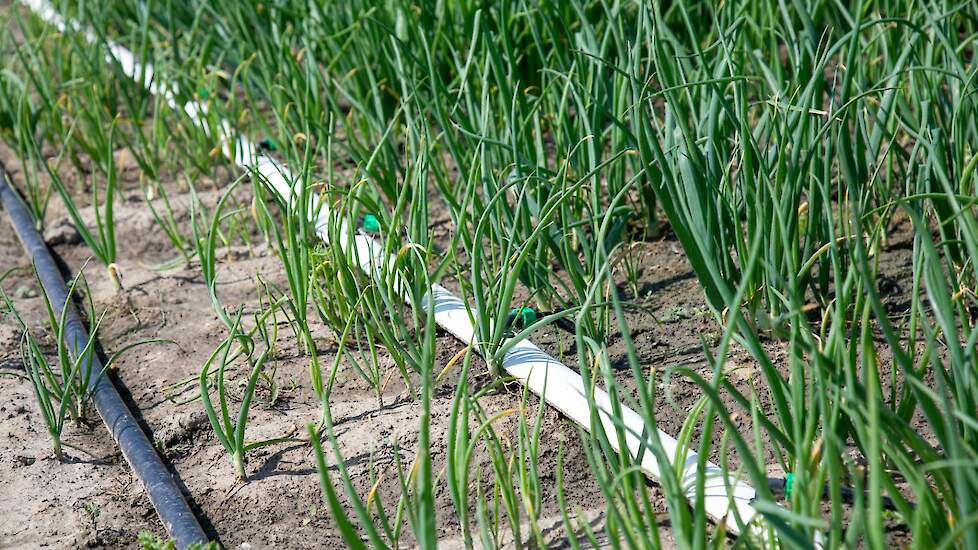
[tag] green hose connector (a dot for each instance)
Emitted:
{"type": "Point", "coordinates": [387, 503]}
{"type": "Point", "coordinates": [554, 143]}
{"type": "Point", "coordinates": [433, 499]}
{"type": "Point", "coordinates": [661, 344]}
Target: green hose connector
{"type": "Point", "coordinates": [789, 480]}
{"type": "Point", "coordinates": [521, 317]}
{"type": "Point", "coordinates": [203, 92]}
{"type": "Point", "coordinates": [268, 144]}
{"type": "Point", "coordinates": [371, 223]}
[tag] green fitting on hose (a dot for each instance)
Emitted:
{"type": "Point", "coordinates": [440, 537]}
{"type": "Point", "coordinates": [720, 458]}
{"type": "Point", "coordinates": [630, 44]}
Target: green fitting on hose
{"type": "Point", "coordinates": [268, 144]}
{"type": "Point", "coordinates": [521, 317]}
{"type": "Point", "coordinates": [203, 92]}
{"type": "Point", "coordinates": [789, 480]}
{"type": "Point", "coordinates": [371, 223]}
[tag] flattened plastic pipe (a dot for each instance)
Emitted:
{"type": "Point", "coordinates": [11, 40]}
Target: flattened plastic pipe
{"type": "Point", "coordinates": [558, 385]}
{"type": "Point", "coordinates": [168, 500]}
{"type": "Point", "coordinates": [561, 387]}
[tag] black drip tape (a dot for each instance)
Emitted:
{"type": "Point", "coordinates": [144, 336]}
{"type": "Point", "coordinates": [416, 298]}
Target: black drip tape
{"type": "Point", "coordinates": [163, 491]}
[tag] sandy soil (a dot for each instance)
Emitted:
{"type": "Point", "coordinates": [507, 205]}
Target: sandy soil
{"type": "Point", "coordinates": [51, 503]}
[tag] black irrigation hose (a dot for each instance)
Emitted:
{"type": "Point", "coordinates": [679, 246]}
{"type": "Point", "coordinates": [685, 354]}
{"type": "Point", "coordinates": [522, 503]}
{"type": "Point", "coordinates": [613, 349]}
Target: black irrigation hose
{"type": "Point", "coordinates": [779, 487]}
{"type": "Point", "coordinates": [172, 507]}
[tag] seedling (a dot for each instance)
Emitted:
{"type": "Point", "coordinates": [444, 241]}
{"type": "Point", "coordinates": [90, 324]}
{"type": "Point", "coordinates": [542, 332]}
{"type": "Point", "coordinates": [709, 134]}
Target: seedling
{"type": "Point", "coordinates": [62, 389]}
{"type": "Point", "coordinates": [154, 194]}
{"type": "Point", "coordinates": [238, 345]}
{"type": "Point", "coordinates": [100, 237]}
{"type": "Point", "coordinates": [93, 511]}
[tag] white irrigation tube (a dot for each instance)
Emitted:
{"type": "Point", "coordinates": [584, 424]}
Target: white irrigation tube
{"type": "Point", "coordinates": [558, 385]}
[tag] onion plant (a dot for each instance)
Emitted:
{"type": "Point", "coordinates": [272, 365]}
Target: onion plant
{"type": "Point", "coordinates": [381, 287]}
{"type": "Point", "coordinates": [417, 482]}
{"type": "Point", "coordinates": [99, 236]}
{"type": "Point", "coordinates": [63, 387]}
{"type": "Point", "coordinates": [293, 242]}
{"type": "Point", "coordinates": [231, 432]}
{"type": "Point", "coordinates": [56, 389]}
{"type": "Point", "coordinates": [515, 486]}
{"type": "Point", "coordinates": [157, 200]}
{"type": "Point", "coordinates": [206, 230]}
{"type": "Point", "coordinates": [20, 118]}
